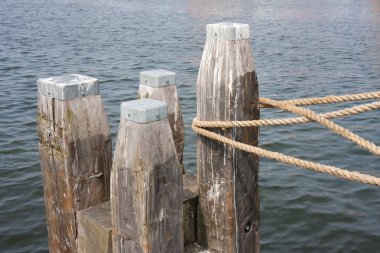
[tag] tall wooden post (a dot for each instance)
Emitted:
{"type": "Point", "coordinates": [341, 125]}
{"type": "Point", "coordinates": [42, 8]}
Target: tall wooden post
{"type": "Point", "coordinates": [75, 153]}
{"type": "Point", "coordinates": [146, 183]}
{"type": "Point", "coordinates": [160, 84]}
{"type": "Point", "coordinates": [227, 89]}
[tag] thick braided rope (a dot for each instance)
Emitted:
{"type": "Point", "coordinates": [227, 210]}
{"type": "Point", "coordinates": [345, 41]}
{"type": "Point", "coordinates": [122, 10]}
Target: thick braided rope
{"type": "Point", "coordinates": [286, 121]}
{"type": "Point", "coordinates": [370, 146]}
{"type": "Point", "coordinates": [333, 99]}
{"type": "Point", "coordinates": [348, 175]}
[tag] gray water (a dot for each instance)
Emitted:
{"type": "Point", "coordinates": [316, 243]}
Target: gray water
{"type": "Point", "coordinates": [302, 48]}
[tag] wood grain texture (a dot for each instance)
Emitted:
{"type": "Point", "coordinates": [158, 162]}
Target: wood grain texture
{"type": "Point", "coordinates": [146, 190]}
{"type": "Point", "coordinates": [227, 89]}
{"type": "Point", "coordinates": [75, 155]}
{"type": "Point", "coordinates": [170, 96]}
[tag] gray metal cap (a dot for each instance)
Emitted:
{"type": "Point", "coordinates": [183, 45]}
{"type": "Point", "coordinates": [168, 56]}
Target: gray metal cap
{"type": "Point", "coordinates": [68, 86]}
{"type": "Point", "coordinates": [144, 110]}
{"type": "Point", "coordinates": [228, 31]}
{"type": "Point", "coordinates": [157, 78]}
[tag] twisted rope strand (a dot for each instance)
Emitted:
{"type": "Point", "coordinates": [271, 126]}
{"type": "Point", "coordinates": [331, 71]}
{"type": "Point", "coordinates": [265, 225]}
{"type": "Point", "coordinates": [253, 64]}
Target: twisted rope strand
{"type": "Point", "coordinates": [370, 146]}
{"type": "Point", "coordinates": [345, 174]}
{"type": "Point", "coordinates": [286, 121]}
{"type": "Point", "coordinates": [333, 99]}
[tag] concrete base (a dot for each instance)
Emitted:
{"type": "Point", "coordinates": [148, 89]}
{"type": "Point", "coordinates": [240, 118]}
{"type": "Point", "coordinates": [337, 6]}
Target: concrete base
{"type": "Point", "coordinates": [95, 227]}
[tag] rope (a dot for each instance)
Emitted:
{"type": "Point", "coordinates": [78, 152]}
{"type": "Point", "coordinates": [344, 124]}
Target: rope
{"type": "Point", "coordinates": [333, 99]}
{"type": "Point", "coordinates": [308, 115]}
{"type": "Point", "coordinates": [286, 121]}
{"type": "Point", "coordinates": [349, 175]}
{"type": "Point", "coordinates": [370, 146]}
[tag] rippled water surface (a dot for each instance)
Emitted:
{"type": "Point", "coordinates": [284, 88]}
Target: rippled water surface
{"type": "Point", "coordinates": [302, 48]}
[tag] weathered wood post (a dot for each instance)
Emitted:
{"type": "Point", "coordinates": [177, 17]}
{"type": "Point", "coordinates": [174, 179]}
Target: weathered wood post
{"type": "Point", "coordinates": [227, 89]}
{"type": "Point", "coordinates": [146, 183]}
{"type": "Point", "coordinates": [75, 153]}
{"type": "Point", "coordinates": [160, 84]}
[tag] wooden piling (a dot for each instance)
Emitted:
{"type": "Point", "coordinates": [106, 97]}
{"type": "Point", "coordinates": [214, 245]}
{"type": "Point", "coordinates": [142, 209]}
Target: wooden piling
{"type": "Point", "coordinates": [160, 84]}
{"type": "Point", "coordinates": [75, 153]}
{"type": "Point", "coordinates": [227, 89]}
{"type": "Point", "coordinates": [146, 183]}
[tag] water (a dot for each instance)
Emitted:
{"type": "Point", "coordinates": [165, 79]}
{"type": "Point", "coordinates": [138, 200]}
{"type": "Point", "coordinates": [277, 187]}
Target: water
{"type": "Point", "coordinates": [302, 48]}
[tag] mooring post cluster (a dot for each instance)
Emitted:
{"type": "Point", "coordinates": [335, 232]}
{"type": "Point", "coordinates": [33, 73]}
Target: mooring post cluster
{"type": "Point", "coordinates": [142, 200]}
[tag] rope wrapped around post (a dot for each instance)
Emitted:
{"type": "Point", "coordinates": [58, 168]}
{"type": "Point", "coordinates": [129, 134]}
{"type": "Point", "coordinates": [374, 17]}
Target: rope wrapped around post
{"type": "Point", "coordinates": [308, 115]}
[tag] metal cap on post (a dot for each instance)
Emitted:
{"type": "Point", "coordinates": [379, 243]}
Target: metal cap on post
{"type": "Point", "coordinates": [228, 31]}
{"type": "Point", "coordinates": [157, 78]}
{"type": "Point", "coordinates": [68, 86]}
{"type": "Point", "coordinates": [144, 110]}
